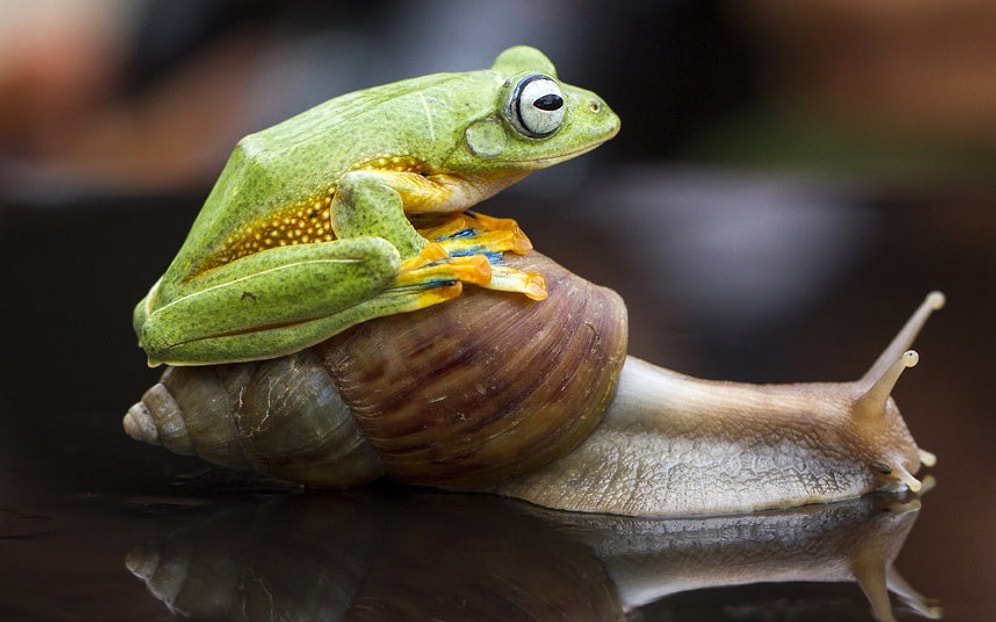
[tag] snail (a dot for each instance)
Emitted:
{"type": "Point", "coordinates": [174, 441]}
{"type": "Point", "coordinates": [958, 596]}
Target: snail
{"type": "Point", "coordinates": [305, 301]}
{"type": "Point", "coordinates": [538, 400]}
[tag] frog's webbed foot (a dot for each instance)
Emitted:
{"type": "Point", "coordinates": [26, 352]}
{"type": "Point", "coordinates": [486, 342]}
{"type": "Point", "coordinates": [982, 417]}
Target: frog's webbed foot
{"type": "Point", "coordinates": [434, 267]}
{"type": "Point", "coordinates": [469, 230]}
{"type": "Point", "coordinates": [473, 245]}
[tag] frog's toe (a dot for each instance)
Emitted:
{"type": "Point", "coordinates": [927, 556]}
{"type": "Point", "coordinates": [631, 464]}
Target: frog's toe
{"type": "Point", "coordinates": [475, 269]}
{"type": "Point", "coordinates": [435, 295]}
{"type": "Point", "coordinates": [506, 229]}
{"type": "Point", "coordinates": [466, 234]}
{"type": "Point", "coordinates": [432, 253]}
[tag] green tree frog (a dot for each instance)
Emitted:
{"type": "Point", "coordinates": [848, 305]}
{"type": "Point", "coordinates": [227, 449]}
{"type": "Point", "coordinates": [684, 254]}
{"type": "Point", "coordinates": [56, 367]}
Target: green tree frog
{"type": "Point", "coordinates": [308, 229]}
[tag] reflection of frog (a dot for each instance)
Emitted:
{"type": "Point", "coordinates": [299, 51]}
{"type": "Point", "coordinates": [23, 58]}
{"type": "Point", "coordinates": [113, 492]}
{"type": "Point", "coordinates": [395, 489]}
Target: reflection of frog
{"type": "Point", "coordinates": [306, 231]}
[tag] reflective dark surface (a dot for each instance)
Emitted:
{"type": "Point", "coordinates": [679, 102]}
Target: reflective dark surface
{"type": "Point", "coordinates": [81, 501]}
{"type": "Point", "coordinates": [747, 245]}
{"type": "Point", "coordinates": [399, 554]}
{"type": "Point", "coordinates": [360, 556]}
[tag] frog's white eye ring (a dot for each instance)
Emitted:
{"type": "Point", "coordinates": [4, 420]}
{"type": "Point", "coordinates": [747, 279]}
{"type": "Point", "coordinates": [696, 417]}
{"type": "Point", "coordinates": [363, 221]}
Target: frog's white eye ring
{"type": "Point", "coordinates": [536, 107]}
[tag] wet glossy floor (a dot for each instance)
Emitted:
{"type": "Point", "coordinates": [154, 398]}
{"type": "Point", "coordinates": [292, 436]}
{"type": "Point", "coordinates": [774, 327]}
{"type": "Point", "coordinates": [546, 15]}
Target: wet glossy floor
{"type": "Point", "coordinates": [389, 555]}
{"type": "Point", "coordinates": [94, 526]}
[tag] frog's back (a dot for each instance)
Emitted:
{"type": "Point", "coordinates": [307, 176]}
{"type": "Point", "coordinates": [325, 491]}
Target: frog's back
{"type": "Point", "coordinates": [294, 166]}
{"type": "Point", "coordinates": [416, 117]}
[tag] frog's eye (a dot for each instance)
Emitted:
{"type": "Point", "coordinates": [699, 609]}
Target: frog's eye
{"type": "Point", "coordinates": [537, 106]}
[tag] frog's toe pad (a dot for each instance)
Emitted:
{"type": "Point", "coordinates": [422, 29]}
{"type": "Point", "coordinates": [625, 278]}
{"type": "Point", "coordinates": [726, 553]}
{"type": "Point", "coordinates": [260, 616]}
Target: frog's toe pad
{"type": "Point", "coordinates": [507, 279]}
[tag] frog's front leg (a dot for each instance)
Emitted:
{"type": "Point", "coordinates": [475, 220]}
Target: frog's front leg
{"type": "Point", "coordinates": [372, 203]}
{"type": "Point", "coordinates": [378, 202]}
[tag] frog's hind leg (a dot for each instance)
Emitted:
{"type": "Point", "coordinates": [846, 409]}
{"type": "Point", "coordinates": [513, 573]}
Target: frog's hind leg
{"type": "Point", "coordinates": [305, 334]}
{"type": "Point", "coordinates": [266, 304]}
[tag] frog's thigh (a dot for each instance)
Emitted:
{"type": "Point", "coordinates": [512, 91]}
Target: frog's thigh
{"type": "Point", "coordinates": [276, 290]}
{"type": "Point", "coordinates": [286, 340]}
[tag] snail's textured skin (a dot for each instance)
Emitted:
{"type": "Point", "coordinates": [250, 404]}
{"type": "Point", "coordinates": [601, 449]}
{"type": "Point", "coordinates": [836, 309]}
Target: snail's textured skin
{"type": "Point", "coordinates": [693, 446]}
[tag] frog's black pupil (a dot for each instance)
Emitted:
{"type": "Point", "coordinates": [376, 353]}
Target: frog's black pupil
{"type": "Point", "coordinates": [549, 102]}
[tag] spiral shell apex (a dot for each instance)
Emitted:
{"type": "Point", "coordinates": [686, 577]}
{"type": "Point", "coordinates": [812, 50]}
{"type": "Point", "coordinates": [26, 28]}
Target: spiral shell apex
{"type": "Point", "coordinates": [282, 417]}
{"type": "Point", "coordinates": [459, 395]}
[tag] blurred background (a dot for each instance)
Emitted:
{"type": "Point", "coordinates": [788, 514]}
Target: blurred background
{"type": "Point", "coordinates": [790, 180]}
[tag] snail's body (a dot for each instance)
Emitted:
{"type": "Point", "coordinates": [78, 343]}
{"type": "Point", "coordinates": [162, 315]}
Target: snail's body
{"type": "Point", "coordinates": [681, 445]}
{"type": "Point", "coordinates": [538, 400]}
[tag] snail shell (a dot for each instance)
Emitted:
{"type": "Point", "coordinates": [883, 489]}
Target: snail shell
{"type": "Point", "coordinates": [538, 400]}
{"type": "Point", "coordinates": [459, 395]}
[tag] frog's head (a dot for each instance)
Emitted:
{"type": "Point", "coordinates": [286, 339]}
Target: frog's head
{"type": "Point", "coordinates": [539, 121]}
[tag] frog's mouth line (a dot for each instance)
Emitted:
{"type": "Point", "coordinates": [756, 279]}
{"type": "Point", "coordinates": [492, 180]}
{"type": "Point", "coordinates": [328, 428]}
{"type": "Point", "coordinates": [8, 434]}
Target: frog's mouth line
{"type": "Point", "coordinates": [556, 159]}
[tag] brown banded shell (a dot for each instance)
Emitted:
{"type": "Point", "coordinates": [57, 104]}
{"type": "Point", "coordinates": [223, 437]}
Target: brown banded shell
{"type": "Point", "coordinates": [487, 386]}
{"type": "Point", "coordinates": [459, 395]}
{"type": "Point", "coordinates": [281, 417]}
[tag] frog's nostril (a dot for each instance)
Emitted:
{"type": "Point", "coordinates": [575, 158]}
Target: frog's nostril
{"type": "Point", "coordinates": [595, 105]}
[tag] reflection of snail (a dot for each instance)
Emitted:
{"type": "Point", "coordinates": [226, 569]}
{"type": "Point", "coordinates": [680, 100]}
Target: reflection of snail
{"type": "Point", "coordinates": [538, 400]}
{"type": "Point", "coordinates": [448, 557]}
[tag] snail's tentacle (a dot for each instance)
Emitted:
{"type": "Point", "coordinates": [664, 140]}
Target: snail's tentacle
{"type": "Point", "coordinates": [934, 301]}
